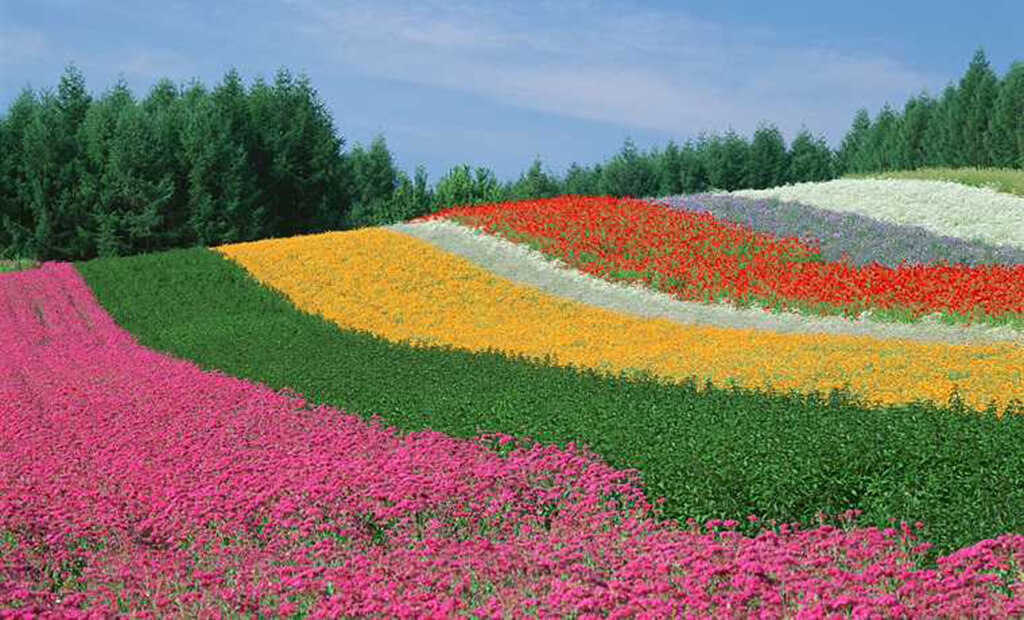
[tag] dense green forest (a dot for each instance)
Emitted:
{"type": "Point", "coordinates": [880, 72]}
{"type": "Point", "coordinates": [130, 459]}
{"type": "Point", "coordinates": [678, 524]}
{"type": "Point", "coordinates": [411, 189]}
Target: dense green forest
{"type": "Point", "coordinates": [82, 177]}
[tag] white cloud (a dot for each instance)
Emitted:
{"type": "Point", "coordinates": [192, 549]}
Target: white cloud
{"type": "Point", "coordinates": [646, 69]}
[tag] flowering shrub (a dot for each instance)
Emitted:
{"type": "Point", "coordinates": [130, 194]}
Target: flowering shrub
{"type": "Point", "coordinates": [132, 482]}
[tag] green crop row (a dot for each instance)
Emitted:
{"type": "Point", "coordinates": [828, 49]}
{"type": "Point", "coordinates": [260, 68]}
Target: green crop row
{"type": "Point", "coordinates": [710, 452]}
{"type": "Point", "coordinates": [16, 265]}
{"type": "Point", "coordinates": [1006, 180]}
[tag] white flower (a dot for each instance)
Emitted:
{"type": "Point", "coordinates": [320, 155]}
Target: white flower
{"type": "Point", "coordinates": [942, 207]}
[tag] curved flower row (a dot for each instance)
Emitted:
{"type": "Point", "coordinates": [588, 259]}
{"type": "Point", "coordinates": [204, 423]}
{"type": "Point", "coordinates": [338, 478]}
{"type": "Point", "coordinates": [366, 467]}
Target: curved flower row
{"type": "Point", "coordinates": [697, 257]}
{"type": "Point", "coordinates": [846, 235]}
{"type": "Point", "coordinates": [404, 289]}
{"type": "Point", "coordinates": [132, 482]}
{"type": "Point", "coordinates": [943, 207]}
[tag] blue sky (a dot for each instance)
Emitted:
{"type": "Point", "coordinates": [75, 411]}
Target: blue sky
{"type": "Point", "coordinates": [498, 83]}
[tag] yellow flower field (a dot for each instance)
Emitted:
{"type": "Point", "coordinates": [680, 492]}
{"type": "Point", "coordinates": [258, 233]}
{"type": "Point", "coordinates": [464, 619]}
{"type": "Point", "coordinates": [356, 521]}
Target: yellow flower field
{"type": "Point", "coordinates": [406, 290]}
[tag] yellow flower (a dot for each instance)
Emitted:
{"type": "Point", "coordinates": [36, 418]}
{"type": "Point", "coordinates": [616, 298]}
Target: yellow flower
{"type": "Point", "coordinates": [406, 290]}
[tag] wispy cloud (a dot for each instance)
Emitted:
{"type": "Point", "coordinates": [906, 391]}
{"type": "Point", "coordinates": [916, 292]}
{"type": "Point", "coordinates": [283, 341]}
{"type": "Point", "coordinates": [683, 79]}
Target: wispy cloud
{"type": "Point", "coordinates": [651, 69]}
{"type": "Point", "coordinates": [21, 45]}
{"type": "Point", "coordinates": [149, 62]}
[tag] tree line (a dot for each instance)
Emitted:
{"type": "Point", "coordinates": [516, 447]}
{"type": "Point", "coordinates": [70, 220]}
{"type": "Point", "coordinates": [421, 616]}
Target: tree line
{"type": "Point", "coordinates": [976, 123]}
{"type": "Point", "coordinates": [82, 177]}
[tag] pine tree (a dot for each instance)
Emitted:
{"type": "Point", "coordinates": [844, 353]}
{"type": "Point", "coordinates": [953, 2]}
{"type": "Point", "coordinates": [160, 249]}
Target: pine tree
{"type": "Point", "coordinates": [882, 141]}
{"type": "Point", "coordinates": [135, 193]}
{"type": "Point", "coordinates": [581, 181]}
{"type": "Point", "coordinates": [486, 187]}
{"type": "Point", "coordinates": [375, 180]}
{"type": "Point", "coordinates": [534, 183]}
{"type": "Point", "coordinates": [937, 144]}
{"type": "Point", "coordinates": [693, 166]}
{"type": "Point", "coordinates": [165, 111]}
{"type": "Point", "coordinates": [809, 158]}
{"type": "Point", "coordinates": [727, 159]}
{"type": "Point", "coordinates": [248, 217]}
{"type": "Point", "coordinates": [1008, 120]}
{"type": "Point", "coordinates": [15, 216]}
{"type": "Point", "coordinates": [422, 194]}
{"type": "Point", "coordinates": [916, 116]}
{"type": "Point", "coordinates": [454, 188]}
{"type": "Point", "coordinates": [221, 210]}
{"type": "Point", "coordinates": [53, 165]}
{"type": "Point", "coordinates": [670, 171]}
{"type": "Point", "coordinates": [98, 135]}
{"type": "Point", "coordinates": [629, 173]}
{"type": "Point", "coordinates": [973, 110]}
{"type": "Point", "coordinates": [298, 157]}
{"type": "Point", "coordinates": [1020, 141]}
{"type": "Point", "coordinates": [854, 147]}
{"type": "Point", "coordinates": [767, 161]}
{"type": "Point", "coordinates": [374, 172]}
{"type": "Point", "coordinates": [68, 206]}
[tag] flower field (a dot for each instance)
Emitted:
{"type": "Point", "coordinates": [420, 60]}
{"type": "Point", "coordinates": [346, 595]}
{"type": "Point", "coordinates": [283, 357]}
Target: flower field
{"type": "Point", "coordinates": [942, 207]}
{"type": "Point", "coordinates": [1007, 180]}
{"type": "Point", "coordinates": [572, 407]}
{"type": "Point", "coordinates": [423, 295]}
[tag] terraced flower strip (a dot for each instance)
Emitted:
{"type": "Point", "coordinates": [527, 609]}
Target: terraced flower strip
{"type": "Point", "coordinates": [944, 208]}
{"type": "Point", "coordinates": [710, 452]}
{"type": "Point", "coordinates": [845, 236]}
{"type": "Point", "coordinates": [520, 264]}
{"type": "Point", "coordinates": [132, 482]}
{"type": "Point", "coordinates": [406, 290]}
{"type": "Point", "coordinates": [1006, 180]}
{"type": "Point", "coordinates": [696, 257]}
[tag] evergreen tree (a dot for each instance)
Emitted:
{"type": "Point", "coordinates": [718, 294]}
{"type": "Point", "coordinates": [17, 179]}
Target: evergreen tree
{"type": "Point", "coordinates": [380, 196]}
{"type": "Point", "coordinates": [379, 177]}
{"type": "Point", "coordinates": [693, 166]}
{"type": "Point", "coordinates": [1020, 141]}
{"type": "Point", "coordinates": [375, 180]}
{"type": "Point", "coordinates": [464, 186]}
{"type": "Point", "coordinates": [534, 183]}
{"type": "Point", "coordinates": [629, 173]}
{"type": "Point", "coordinates": [910, 152]}
{"type": "Point", "coordinates": [298, 158]}
{"type": "Point", "coordinates": [486, 187]}
{"type": "Point", "coordinates": [581, 181]}
{"type": "Point", "coordinates": [1007, 120]}
{"type": "Point", "coordinates": [53, 169]}
{"type": "Point", "coordinates": [853, 149]}
{"type": "Point", "coordinates": [727, 161]}
{"type": "Point", "coordinates": [98, 134]}
{"type": "Point", "coordinates": [938, 143]}
{"type": "Point", "coordinates": [882, 141]}
{"type": "Point", "coordinates": [134, 194]}
{"type": "Point", "coordinates": [767, 161]}
{"type": "Point", "coordinates": [454, 188]}
{"type": "Point", "coordinates": [973, 110]}
{"type": "Point", "coordinates": [73, 101]}
{"type": "Point", "coordinates": [423, 196]}
{"type": "Point", "coordinates": [15, 188]}
{"type": "Point", "coordinates": [220, 210]}
{"type": "Point", "coordinates": [809, 159]}
{"type": "Point", "coordinates": [231, 108]}
{"type": "Point", "coordinates": [670, 171]}
{"type": "Point", "coordinates": [165, 111]}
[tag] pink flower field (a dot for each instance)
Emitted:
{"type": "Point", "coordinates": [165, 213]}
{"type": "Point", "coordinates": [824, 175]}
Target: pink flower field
{"type": "Point", "coordinates": [132, 483]}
